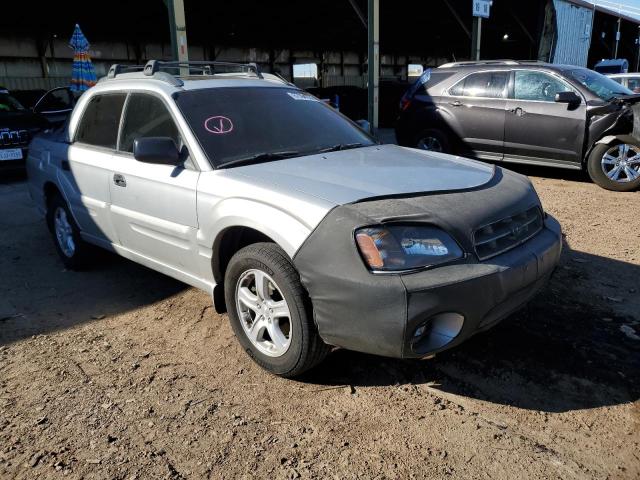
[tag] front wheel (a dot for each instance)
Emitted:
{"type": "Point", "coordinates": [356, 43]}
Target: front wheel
{"type": "Point", "coordinates": [270, 312]}
{"type": "Point", "coordinates": [615, 166]}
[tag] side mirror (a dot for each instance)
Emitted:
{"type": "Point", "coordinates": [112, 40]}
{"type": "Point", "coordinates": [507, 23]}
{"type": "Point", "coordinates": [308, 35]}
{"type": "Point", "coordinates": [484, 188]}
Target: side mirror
{"type": "Point", "coordinates": [364, 125]}
{"type": "Point", "coordinates": [570, 98]}
{"type": "Point", "coordinates": [161, 150]}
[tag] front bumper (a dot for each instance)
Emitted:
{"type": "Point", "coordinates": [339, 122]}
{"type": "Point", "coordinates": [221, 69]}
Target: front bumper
{"type": "Point", "coordinates": [6, 165]}
{"type": "Point", "coordinates": [480, 295]}
{"type": "Point", "coordinates": [379, 314]}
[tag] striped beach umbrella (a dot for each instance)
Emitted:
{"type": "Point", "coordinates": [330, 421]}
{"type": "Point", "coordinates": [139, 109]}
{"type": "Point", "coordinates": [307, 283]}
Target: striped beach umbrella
{"type": "Point", "coordinates": [84, 75]}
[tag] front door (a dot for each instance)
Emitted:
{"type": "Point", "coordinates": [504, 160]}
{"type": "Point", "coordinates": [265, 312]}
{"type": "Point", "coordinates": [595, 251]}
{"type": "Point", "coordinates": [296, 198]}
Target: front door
{"type": "Point", "coordinates": [537, 129]}
{"type": "Point", "coordinates": [475, 109]}
{"type": "Point", "coordinates": [153, 206]}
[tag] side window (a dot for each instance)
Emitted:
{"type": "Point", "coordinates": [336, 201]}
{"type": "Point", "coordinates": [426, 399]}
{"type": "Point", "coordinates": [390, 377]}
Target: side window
{"type": "Point", "coordinates": [100, 121]}
{"type": "Point", "coordinates": [530, 85]}
{"type": "Point", "coordinates": [146, 116]}
{"type": "Point", "coordinates": [634, 84]}
{"type": "Point", "coordinates": [482, 84]}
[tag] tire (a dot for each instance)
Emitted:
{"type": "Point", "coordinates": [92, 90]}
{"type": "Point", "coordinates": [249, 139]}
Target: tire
{"type": "Point", "coordinates": [74, 252]}
{"type": "Point", "coordinates": [433, 138]}
{"type": "Point", "coordinates": [597, 164]}
{"type": "Point", "coordinates": [296, 346]}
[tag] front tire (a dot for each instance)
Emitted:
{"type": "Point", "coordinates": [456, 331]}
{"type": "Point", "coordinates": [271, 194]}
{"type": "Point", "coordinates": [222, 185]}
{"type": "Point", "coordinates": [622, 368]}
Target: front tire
{"type": "Point", "coordinates": [615, 166]}
{"type": "Point", "coordinates": [270, 312]}
{"type": "Point", "coordinates": [74, 252]}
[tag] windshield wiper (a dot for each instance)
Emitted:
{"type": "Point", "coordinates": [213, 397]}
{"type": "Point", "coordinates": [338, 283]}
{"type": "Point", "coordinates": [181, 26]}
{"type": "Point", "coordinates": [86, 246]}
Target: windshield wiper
{"type": "Point", "coordinates": [340, 146]}
{"type": "Point", "coordinates": [260, 158]}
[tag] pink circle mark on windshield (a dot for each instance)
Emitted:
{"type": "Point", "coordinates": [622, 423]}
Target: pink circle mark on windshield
{"type": "Point", "coordinates": [218, 125]}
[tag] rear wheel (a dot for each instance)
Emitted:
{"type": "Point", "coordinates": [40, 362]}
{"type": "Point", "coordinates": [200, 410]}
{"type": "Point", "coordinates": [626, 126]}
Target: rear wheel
{"type": "Point", "coordinates": [615, 166]}
{"type": "Point", "coordinates": [270, 312]}
{"type": "Point", "coordinates": [432, 140]}
{"type": "Point", "coordinates": [74, 252]}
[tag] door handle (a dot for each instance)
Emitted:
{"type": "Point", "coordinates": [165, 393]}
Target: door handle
{"type": "Point", "coordinates": [456, 104]}
{"type": "Point", "coordinates": [518, 111]}
{"type": "Point", "coordinates": [119, 180]}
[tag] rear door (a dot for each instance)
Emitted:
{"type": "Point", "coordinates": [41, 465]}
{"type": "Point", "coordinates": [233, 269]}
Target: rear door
{"type": "Point", "coordinates": [86, 168]}
{"type": "Point", "coordinates": [475, 110]}
{"type": "Point", "coordinates": [537, 129]}
{"type": "Point", "coordinates": [153, 206]}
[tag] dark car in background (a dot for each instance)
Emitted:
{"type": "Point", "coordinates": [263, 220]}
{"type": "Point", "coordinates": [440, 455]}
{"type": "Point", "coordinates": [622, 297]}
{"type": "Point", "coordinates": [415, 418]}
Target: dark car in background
{"type": "Point", "coordinates": [19, 123]}
{"type": "Point", "coordinates": [526, 112]}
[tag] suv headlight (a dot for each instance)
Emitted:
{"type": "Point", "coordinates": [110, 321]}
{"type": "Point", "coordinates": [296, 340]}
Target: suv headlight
{"type": "Point", "coordinates": [405, 247]}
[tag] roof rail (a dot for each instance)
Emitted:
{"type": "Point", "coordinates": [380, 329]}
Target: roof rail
{"type": "Point", "coordinates": [118, 68]}
{"type": "Point", "coordinates": [206, 67]}
{"type": "Point", "coordinates": [479, 62]}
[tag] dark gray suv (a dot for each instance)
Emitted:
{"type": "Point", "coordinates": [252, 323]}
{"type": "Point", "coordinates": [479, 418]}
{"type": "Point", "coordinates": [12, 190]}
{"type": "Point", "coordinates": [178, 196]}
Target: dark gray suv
{"type": "Point", "coordinates": [526, 112]}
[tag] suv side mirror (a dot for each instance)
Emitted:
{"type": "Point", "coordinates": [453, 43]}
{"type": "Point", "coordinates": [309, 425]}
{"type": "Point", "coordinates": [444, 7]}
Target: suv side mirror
{"type": "Point", "coordinates": [161, 150]}
{"type": "Point", "coordinates": [570, 98]}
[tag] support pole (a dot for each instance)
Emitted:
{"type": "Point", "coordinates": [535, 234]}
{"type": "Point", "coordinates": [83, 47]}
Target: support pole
{"type": "Point", "coordinates": [178, 29]}
{"type": "Point", "coordinates": [476, 36]}
{"type": "Point", "coordinates": [374, 61]}
{"type": "Point", "coordinates": [615, 55]}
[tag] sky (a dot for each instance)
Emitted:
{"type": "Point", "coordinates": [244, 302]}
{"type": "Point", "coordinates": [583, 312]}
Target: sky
{"type": "Point", "coordinates": [627, 7]}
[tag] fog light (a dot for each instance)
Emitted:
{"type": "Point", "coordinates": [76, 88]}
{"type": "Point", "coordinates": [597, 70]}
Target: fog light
{"type": "Point", "coordinates": [437, 332]}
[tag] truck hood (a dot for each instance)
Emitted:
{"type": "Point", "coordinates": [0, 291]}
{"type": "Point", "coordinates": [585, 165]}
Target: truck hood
{"type": "Point", "coordinates": [377, 171]}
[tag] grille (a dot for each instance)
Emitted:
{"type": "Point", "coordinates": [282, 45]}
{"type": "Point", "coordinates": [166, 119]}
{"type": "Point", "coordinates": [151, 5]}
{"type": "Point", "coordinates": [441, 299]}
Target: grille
{"type": "Point", "coordinates": [507, 233]}
{"type": "Point", "coordinates": [10, 138]}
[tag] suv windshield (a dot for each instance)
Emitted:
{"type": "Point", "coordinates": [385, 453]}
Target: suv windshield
{"type": "Point", "coordinates": [602, 86]}
{"type": "Point", "coordinates": [8, 103]}
{"type": "Point", "coordinates": [244, 125]}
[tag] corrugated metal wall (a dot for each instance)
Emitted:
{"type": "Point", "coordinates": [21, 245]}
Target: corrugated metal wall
{"type": "Point", "coordinates": [574, 25]}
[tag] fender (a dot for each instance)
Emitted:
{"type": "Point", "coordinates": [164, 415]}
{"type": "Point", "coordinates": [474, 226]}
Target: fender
{"type": "Point", "coordinates": [284, 229]}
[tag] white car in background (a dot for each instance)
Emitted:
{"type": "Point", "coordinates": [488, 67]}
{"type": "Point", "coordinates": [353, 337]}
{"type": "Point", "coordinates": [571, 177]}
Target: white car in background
{"type": "Point", "coordinates": [629, 80]}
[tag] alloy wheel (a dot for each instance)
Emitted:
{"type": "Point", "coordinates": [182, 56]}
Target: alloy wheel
{"type": "Point", "coordinates": [621, 163]}
{"type": "Point", "coordinates": [431, 144]}
{"type": "Point", "coordinates": [264, 313]}
{"type": "Point", "coordinates": [64, 232]}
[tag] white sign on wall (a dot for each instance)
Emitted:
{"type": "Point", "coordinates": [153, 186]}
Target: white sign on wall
{"type": "Point", "coordinates": [481, 8]}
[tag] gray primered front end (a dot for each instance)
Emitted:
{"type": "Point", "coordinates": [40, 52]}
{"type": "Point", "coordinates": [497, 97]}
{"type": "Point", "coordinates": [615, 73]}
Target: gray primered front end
{"type": "Point", "coordinates": [377, 313]}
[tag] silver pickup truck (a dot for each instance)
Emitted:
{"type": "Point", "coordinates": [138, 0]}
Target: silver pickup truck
{"type": "Point", "coordinates": [297, 222]}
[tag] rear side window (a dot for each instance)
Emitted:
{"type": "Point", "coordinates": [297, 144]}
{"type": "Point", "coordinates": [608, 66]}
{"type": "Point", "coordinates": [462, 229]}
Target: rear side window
{"type": "Point", "coordinates": [435, 79]}
{"type": "Point", "coordinates": [146, 116]}
{"type": "Point", "coordinates": [100, 121]}
{"type": "Point", "coordinates": [482, 84]}
{"type": "Point", "coordinates": [530, 85]}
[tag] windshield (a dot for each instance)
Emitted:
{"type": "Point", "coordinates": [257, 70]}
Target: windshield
{"type": "Point", "coordinates": [602, 86]}
{"type": "Point", "coordinates": [8, 103]}
{"type": "Point", "coordinates": [249, 124]}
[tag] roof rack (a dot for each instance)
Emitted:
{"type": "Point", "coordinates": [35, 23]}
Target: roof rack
{"type": "Point", "coordinates": [488, 62]}
{"type": "Point", "coordinates": [478, 62]}
{"type": "Point", "coordinates": [205, 67]}
{"type": "Point", "coordinates": [118, 68]}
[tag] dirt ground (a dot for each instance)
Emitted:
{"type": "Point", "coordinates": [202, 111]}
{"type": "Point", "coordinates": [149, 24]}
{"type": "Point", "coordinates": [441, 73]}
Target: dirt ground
{"type": "Point", "coordinates": [123, 373]}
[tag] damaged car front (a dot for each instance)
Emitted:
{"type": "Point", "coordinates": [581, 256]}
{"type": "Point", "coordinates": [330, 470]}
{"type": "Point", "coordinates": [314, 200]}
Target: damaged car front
{"type": "Point", "coordinates": [612, 142]}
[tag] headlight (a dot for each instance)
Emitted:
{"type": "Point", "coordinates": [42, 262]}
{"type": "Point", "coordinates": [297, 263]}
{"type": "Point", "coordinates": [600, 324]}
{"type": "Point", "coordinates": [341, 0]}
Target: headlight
{"type": "Point", "coordinates": [405, 247]}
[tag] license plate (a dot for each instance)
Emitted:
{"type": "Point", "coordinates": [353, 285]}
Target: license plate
{"type": "Point", "coordinates": [11, 154]}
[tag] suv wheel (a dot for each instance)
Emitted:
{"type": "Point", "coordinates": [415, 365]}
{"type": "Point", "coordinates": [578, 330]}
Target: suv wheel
{"type": "Point", "coordinates": [74, 252]}
{"type": "Point", "coordinates": [432, 140]}
{"type": "Point", "coordinates": [615, 166]}
{"type": "Point", "coordinates": [270, 312]}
